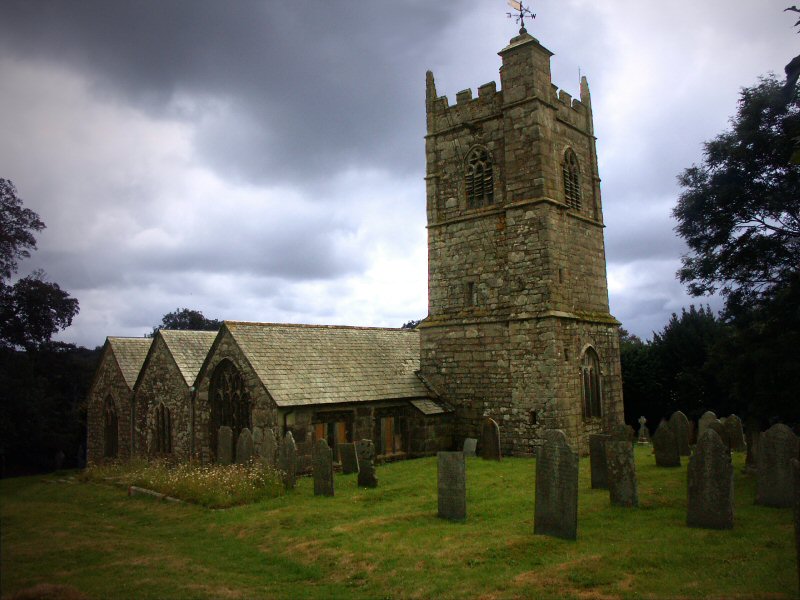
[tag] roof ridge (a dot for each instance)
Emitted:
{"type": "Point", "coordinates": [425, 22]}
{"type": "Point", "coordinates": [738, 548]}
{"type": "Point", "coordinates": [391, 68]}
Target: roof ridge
{"type": "Point", "coordinates": [315, 326]}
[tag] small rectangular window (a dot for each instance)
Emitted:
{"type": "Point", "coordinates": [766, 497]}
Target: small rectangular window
{"type": "Point", "coordinates": [471, 293]}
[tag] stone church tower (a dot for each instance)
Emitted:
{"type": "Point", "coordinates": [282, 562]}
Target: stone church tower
{"type": "Point", "coordinates": [518, 325]}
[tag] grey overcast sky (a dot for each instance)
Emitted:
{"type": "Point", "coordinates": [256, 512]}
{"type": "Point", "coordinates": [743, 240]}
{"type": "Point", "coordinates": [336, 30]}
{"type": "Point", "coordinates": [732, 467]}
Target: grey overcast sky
{"type": "Point", "coordinates": [264, 160]}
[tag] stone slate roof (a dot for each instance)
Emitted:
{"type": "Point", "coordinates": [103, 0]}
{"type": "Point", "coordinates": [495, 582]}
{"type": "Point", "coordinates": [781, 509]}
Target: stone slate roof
{"type": "Point", "coordinates": [322, 364]}
{"type": "Point", "coordinates": [189, 349]}
{"type": "Point", "coordinates": [130, 354]}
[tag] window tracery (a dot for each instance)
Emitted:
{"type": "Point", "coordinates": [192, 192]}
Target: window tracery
{"type": "Point", "coordinates": [479, 178]}
{"type": "Point", "coordinates": [571, 174]}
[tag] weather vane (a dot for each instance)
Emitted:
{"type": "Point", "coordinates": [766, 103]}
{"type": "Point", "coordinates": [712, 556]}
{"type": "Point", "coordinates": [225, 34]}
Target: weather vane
{"type": "Point", "coordinates": [521, 12]}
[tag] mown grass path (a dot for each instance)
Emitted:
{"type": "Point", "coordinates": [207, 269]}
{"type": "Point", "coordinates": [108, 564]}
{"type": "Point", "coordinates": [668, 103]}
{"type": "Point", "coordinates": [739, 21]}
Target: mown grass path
{"type": "Point", "coordinates": [388, 543]}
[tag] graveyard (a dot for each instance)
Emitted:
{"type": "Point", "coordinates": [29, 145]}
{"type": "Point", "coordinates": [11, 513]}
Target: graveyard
{"type": "Point", "coordinates": [388, 542]}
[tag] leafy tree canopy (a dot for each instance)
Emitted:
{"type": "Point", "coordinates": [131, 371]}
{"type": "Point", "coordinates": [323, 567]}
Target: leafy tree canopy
{"type": "Point", "coordinates": [17, 225]}
{"type": "Point", "coordinates": [740, 208]}
{"type": "Point", "coordinates": [188, 320]}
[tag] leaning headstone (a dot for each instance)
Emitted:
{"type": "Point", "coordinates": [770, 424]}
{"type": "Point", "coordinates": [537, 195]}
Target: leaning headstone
{"type": "Point", "coordinates": [349, 458]}
{"type": "Point", "coordinates": [623, 433]}
{"type": "Point", "coordinates": [774, 482]}
{"type": "Point", "coordinates": [702, 424]}
{"type": "Point", "coordinates": [622, 485]}
{"type": "Point", "coordinates": [452, 475]}
{"type": "Point", "coordinates": [366, 464]}
{"type": "Point", "coordinates": [288, 461]}
{"type": "Point", "coordinates": [244, 447]}
{"type": "Point", "coordinates": [665, 446]}
{"type": "Point", "coordinates": [796, 472]}
{"type": "Point", "coordinates": [680, 427]}
{"type": "Point", "coordinates": [597, 460]}
{"type": "Point", "coordinates": [470, 445]}
{"type": "Point", "coordinates": [225, 445]}
{"type": "Point", "coordinates": [556, 511]}
{"type": "Point", "coordinates": [644, 432]}
{"type": "Point", "coordinates": [710, 484]}
{"type": "Point", "coordinates": [490, 440]}
{"type": "Point", "coordinates": [735, 433]}
{"type": "Point", "coordinates": [322, 469]}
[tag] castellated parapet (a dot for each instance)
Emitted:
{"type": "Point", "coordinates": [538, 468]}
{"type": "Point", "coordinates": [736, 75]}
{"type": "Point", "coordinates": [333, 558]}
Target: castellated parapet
{"type": "Point", "coordinates": [518, 324]}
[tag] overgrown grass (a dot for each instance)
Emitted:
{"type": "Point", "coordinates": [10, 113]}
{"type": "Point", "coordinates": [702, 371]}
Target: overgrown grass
{"type": "Point", "coordinates": [388, 543]}
{"type": "Point", "coordinates": [212, 486]}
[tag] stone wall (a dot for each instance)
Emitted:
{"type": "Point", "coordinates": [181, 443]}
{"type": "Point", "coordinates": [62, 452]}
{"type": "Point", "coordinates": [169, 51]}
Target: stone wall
{"type": "Point", "coordinates": [108, 381]}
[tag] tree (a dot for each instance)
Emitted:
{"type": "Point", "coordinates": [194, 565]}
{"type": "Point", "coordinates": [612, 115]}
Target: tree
{"type": "Point", "coordinates": [739, 211]}
{"type": "Point", "coordinates": [187, 319]}
{"type": "Point", "coordinates": [32, 310]}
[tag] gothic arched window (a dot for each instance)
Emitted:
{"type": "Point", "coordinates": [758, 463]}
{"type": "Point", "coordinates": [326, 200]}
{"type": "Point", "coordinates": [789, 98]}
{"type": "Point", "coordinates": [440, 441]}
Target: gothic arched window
{"type": "Point", "coordinates": [572, 182]}
{"type": "Point", "coordinates": [590, 379]}
{"type": "Point", "coordinates": [110, 429]}
{"type": "Point", "coordinates": [163, 424]}
{"type": "Point", "coordinates": [229, 400]}
{"type": "Point", "coordinates": [478, 178]}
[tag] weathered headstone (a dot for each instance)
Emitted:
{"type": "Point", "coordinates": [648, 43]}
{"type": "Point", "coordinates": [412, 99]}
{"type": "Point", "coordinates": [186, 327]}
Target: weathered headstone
{"type": "Point", "coordinates": [665, 446]}
{"type": "Point", "coordinates": [556, 511]}
{"type": "Point", "coordinates": [710, 484]}
{"type": "Point", "coordinates": [470, 445]}
{"type": "Point", "coordinates": [452, 476]}
{"type": "Point", "coordinates": [366, 464]}
{"type": "Point", "coordinates": [702, 424]}
{"type": "Point", "coordinates": [719, 426]}
{"type": "Point", "coordinates": [225, 445]}
{"type": "Point", "coordinates": [258, 441]}
{"type": "Point", "coordinates": [796, 472]}
{"type": "Point", "coordinates": [490, 440]}
{"type": "Point", "coordinates": [753, 441]}
{"type": "Point", "coordinates": [269, 447]}
{"type": "Point", "coordinates": [322, 469]}
{"type": "Point", "coordinates": [597, 460]}
{"type": "Point", "coordinates": [644, 432]}
{"type": "Point", "coordinates": [622, 486]}
{"type": "Point", "coordinates": [288, 461]}
{"type": "Point", "coordinates": [244, 447]}
{"type": "Point", "coordinates": [680, 427]}
{"type": "Point", "coordinates": [735, 433]}
{"type": "Point", "coordinates": [623, 433]}
{"type": "Point", "coordinates": [349, 458]}
{"type": "Point", "coordinates": [774, 481]}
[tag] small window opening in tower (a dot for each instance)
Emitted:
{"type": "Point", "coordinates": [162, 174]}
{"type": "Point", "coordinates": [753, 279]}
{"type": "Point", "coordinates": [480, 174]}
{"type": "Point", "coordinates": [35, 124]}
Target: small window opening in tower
{"type": "Point", "coordinates": [478, 178]}
{"type": "Point", "coordinates": [572, 186]}
{"type": "Point", "coordinates": [534, 417]}
{"type": "Point", "coordinates": [471, 294]}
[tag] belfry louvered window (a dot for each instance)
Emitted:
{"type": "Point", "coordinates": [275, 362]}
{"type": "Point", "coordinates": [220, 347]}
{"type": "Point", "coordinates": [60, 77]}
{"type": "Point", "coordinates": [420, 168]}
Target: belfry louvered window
{"type": "Point", "coordinates": [163, 437]}
{"type": "Point", "coordinates": [572, 182]}
{"type": "Point", "coordinates": [478, 178]}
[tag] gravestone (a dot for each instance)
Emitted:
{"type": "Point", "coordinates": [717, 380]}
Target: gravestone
{"type": "Point", "coordinates": [349, 458]}
{"type": "Point", "coordinates": [258, 441]}
{"type": "Point", "coordinates": [322, 469]}
{"type": "Point", "coordinates": [774, 481]}
{"type": "Point", "coordinates": [556, 511]}
{"type": "Point", "coordinates": [692, 433]}
{"type": "Point", "coordinates": [665, 446]}
{"type": "Point", "coordinates": [718, 425]}
{"type": "Point", "coordinates": [288, 461]}
{"type": "Point", "coordinates": [644, 432]}
{"type": "Point", "coordinates": [796, 472]}
{"type": "Point", "coordinates": [224, 445]}
{"type": "Point", "coordinates": [269, 447]}
{"type": "Point", "coordinates": [680, 427]}
{"type": "Point", "coordinates": [470, 444]}
{"type": "Point", "coordinates": [702, 424]}
{"type": "Point", "coordinates": [244, 447]}
{"type": "Point", "coordinates": [452, 476]}
{"type": "Point", "coordinates": [753, 440]}
{"type": "Point", "coordinates": [366, 464]}
{"type": "Point", "coordinates": [734, 431]}
{"type": "Point", "coordinates": [623, 433]}
{"type": "Point", "coordinates": [490, 440]}
{"type": "Point", "coordinates": [710, 484]}
{"type": "Point", "coordinates": [597, 460]}
{"type": "Point", "coordinates": [622, 485]}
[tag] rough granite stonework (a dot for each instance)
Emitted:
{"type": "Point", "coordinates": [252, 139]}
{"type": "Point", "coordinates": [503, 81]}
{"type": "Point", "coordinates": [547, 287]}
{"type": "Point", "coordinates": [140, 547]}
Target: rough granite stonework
{"type": "Point", "coordinates": [120, 363]}
{"type": "Point", "coordinates": [517, 288]}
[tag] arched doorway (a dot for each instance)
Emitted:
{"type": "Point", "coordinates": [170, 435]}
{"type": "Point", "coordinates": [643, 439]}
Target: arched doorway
{"type": "Point", "coordinates": [110, 429]}
{"type": "Point", "coordinates": [229, 402]}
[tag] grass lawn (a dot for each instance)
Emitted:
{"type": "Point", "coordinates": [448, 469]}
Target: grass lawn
{"type": "Point", "coordinates": [388, 543]}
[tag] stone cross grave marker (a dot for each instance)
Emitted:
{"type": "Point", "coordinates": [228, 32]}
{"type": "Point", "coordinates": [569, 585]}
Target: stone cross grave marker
{"type": "Point", "coordinates": [680, 426]}
{"type": "Point", "coordinates": [470, 445]}
{"type": "Point", "coordinates": [597, 460]}
{"type": "Point", "coordinates": [366, 464]}
{"type": "Point", "coordinates": [665, 446]}
{"type": "Point", "coordinates": [734, 431]}
{"type": "Point", "coordinates": [452, 485]}
{"type": "Point", "coordinates": [702, 424]}
{"type": "Point", "coordinates": [224, 445]}
{"type": "Point", "coordinates": [244, 447]}
{"type": "Point", "coordinates": [710, 484]}
{"type": "Point", "coordinates": [288, 461]}
{"type": "Point", "coordinates": [322, 469]}
{"type": "Point", "coordinates": [622, 485]}
{"type": "Point", "coordinates": [349, 458]}
{"type": "Point", "coordinates": [556, 511]}
{"type": "Point", "coordinates": [490, 440]}
{"type": "Point", "coordinates": [644, 433]}
{"type": "Point", "coordinates": [774, 481]}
